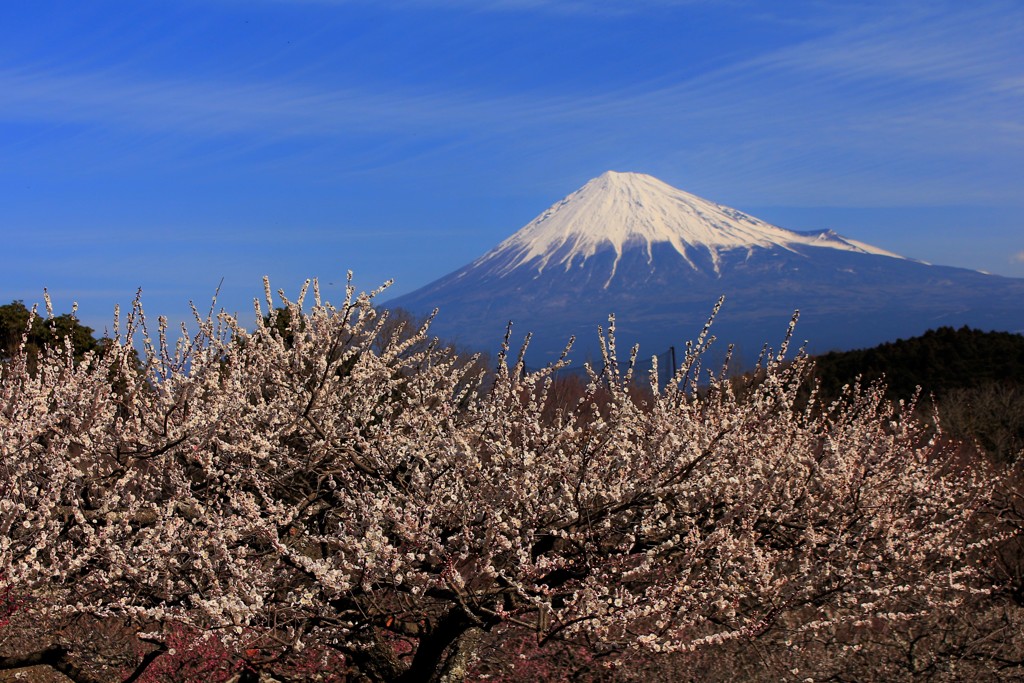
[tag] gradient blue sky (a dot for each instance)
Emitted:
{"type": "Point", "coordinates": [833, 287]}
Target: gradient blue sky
{"type": "Point", "coordinates": [167, 144]}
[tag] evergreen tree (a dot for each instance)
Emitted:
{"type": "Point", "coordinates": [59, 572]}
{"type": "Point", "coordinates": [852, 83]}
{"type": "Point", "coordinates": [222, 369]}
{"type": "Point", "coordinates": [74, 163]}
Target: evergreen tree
{"type": "Point", "coordinates": [15, 329]}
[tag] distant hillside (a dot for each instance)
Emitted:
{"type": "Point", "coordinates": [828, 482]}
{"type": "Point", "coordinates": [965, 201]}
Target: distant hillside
{"type": "Point", "coordinates": [976, 378]}
{"type": "Point", "coordinates": [939, 361]}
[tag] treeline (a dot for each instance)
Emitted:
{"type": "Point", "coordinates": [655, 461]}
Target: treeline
{"type": "Point", "coordinates": [974, 379]}
{"type": "Point", "coordinates": [15, 330]}
{"type": "Point", "coordinates": [939, 361]}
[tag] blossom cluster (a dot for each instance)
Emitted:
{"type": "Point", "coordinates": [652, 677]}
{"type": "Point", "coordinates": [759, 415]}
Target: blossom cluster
{"type": "Point", "coordinates": [357, 489]}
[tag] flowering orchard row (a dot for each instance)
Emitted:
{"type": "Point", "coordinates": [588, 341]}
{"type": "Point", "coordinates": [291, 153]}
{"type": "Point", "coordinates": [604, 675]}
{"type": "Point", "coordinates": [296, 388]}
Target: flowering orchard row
{"type": "Point", "coordinates": [351, 501]}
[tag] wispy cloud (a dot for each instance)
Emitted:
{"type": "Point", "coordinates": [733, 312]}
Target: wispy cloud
{"type": "Point", "coordinates": [926, 97]}
{"type": "Point", "coordinates": [192, 106]}
{"type": "Point", "coordinates": [1018, 257]}
{"type": "Point", "coordinates": [593, 7]}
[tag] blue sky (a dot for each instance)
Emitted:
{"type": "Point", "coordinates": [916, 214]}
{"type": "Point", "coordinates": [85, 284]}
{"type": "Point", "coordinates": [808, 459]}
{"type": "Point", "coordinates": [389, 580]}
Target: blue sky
{"type": "Point", "coordinates": [169, 144]}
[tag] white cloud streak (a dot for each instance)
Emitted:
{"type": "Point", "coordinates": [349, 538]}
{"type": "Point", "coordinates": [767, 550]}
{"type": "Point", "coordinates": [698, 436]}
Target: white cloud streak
{"type": "Point", "coordinates": [593, 7]}
{"type": "Point", "coordinates": [906, 88]}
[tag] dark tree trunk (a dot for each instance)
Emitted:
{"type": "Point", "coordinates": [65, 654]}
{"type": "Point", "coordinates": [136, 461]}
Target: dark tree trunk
{"type": "Point", "coordinates": [444, 652]}
{"type": "Point", "coordinates": [456, 666]}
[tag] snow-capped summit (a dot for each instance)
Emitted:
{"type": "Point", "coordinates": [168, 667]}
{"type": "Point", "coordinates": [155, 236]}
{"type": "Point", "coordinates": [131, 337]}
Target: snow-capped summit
{"type": "Point", "coordinates": [659, 257]}
{"type": "Point", "coordinates": [633, 210]}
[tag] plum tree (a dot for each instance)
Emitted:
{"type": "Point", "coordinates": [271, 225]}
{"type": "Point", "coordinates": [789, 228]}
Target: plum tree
{"type": "Point", "coordinates": [344, 498]}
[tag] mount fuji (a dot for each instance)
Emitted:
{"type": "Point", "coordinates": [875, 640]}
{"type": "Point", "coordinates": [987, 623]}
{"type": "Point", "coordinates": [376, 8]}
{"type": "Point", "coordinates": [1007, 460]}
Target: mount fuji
{"type": "Point", "coordinates": [659, 258]}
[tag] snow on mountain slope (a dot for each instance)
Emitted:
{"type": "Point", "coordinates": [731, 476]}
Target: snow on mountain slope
{"type": "Point", "coordinates": [627, 210]}
{"type": "Point", "coordinates": [659, 258]}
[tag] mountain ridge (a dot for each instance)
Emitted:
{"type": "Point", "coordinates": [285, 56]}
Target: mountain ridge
{"type": "Point", "coordinates": [591, 254]}
{"type": "Point", "coordinates": [634, 207]}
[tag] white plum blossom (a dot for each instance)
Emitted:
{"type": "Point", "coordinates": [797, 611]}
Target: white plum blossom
{"type": "Point", "coordinates": [337, 483]}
